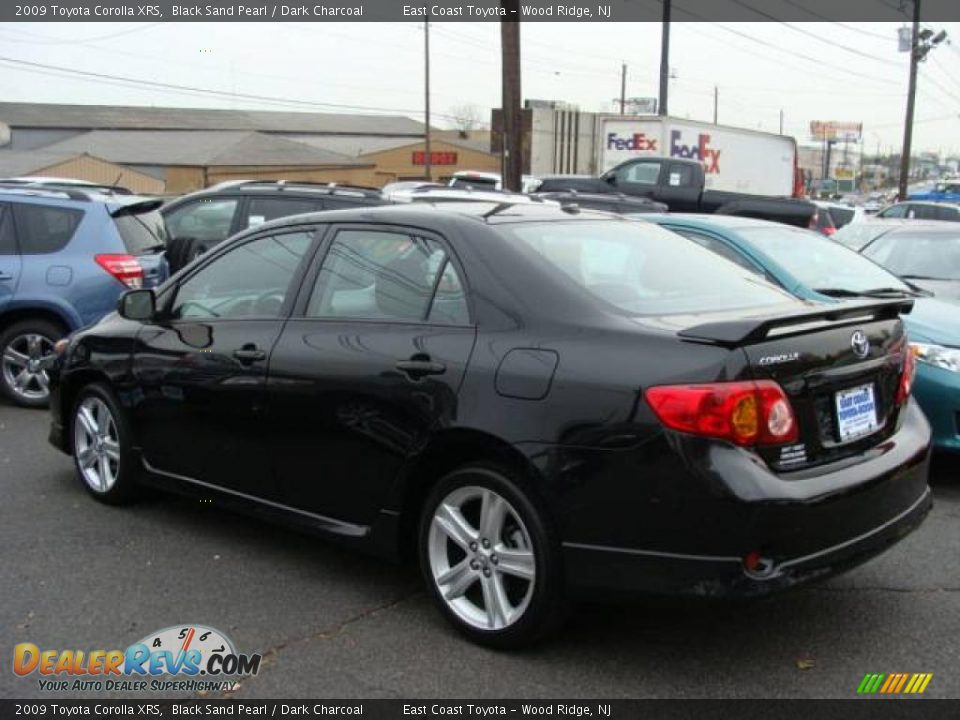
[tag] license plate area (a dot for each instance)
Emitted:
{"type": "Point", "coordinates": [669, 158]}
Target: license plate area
{"type": "Point", "coordinates": [856, 412]}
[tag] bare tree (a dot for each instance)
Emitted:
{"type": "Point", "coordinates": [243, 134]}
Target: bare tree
{"type": "Point", "coordinates": [465, 118]}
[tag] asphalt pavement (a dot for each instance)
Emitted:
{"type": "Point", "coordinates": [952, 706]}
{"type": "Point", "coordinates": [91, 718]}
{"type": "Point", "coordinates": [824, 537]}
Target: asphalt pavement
{"type": "Point", "coordinates": [331, 623]}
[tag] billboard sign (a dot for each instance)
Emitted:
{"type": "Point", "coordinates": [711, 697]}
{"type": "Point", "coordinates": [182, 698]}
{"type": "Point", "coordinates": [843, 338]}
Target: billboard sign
{"type": "Point", "coordinates": [836, 131]}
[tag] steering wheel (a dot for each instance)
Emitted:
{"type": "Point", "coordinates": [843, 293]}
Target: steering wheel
{"type": "Point", "coordinates": [268, 303]}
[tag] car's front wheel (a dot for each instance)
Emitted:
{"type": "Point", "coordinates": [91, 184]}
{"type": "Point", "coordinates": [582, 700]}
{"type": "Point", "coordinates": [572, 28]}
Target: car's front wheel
{"type": "Point", "coordinates": [100, 444]}
{"type": "Point", "coordinates": [489, 558]}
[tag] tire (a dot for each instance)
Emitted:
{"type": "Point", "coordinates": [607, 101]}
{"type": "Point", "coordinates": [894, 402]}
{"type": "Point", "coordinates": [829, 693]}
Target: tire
{"type": "Point", "coordinates": [106, 468]}
{"type": "Point", "coordinates": [22, 346]}
{"type": "Point", "coordinates": [465, 565]}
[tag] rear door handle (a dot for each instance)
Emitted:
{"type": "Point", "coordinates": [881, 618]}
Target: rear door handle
{"type": "Point", "coordinates": [249, 353]}
{"type": "Point", "coordinates": [420, 368]}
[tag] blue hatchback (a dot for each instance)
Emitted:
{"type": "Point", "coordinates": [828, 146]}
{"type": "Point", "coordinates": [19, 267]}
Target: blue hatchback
{"type": "Point", "coordinates": [66, 255]}
{"type": "Point", "coordinates": [816, 268]}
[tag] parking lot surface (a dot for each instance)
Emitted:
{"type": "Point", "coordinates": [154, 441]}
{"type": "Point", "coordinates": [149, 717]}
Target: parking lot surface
{"type": "Point", "coordinates": [331, 623]}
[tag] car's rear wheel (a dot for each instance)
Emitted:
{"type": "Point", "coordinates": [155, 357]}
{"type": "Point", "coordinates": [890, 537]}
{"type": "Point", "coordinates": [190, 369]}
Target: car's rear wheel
{"type": "Point", "coordinates": [100, 445]}
{"type": "Point", "coordinates": [25, 347]}
{"type": "Point", "coordinates": [489, 558]}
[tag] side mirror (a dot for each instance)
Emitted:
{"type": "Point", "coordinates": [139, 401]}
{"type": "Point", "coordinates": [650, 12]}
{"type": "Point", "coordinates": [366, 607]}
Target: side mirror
{"type": "Point", "coordinates": [140, 305]}
{"type": "Point", "coordinates": [610, 179]}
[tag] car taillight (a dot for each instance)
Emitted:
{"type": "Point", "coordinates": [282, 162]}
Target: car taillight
{"type": "Point", "coordinates": [124, 268]}
{"type": "Point", "coordinates": [746, 413]}
{"type": "Point", "coordinates": [828, 231]}
{"type": "Point", "coordinates": [909, 372]}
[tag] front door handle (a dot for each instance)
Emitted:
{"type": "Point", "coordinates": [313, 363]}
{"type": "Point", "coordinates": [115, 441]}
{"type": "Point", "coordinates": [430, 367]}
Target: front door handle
{"type": "Point", "coordinates": [249, 354]}
{"type": "Point", "coordinates": [420, 367]}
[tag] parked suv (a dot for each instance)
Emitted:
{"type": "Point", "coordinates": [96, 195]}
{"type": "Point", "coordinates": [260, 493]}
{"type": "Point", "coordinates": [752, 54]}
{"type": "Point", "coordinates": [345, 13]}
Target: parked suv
{"type": "Point", "coordinates": [66, 255]}
{"type": "Point", "coordinates": [199, 221]}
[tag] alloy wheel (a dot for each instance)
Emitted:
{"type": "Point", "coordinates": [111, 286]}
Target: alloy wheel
{"type": "Point", "coordinates": [96, 444]}
{"type": "Point", "coordinates": [23, 366]}
{"type": "Point", "coordinates": [481, 558]}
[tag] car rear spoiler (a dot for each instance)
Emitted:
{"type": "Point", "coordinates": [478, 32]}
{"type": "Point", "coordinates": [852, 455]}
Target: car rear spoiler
{"type": "Point", "coordinates": [751, 330]}
{"type": "Point", "coordinates": [137, 208]}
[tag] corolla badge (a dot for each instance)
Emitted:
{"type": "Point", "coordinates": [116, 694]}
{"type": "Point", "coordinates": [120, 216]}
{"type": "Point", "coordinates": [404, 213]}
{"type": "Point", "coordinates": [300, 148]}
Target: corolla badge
{"type": "Point", "coordinates": [860, 344]}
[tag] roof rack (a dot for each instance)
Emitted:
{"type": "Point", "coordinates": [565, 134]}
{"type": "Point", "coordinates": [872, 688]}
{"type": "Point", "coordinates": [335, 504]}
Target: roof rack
{"type": "Point", "coordinates": [44, 191]}
{"type": "Point", "coordinates": [327, 188]}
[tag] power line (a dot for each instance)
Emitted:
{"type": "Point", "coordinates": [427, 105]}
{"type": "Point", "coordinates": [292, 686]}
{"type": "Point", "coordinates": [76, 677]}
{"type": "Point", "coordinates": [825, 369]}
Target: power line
{"type": "Point", "coordinates": [208, 91]}
{"type": "Point", "coordinates": [75, 41]}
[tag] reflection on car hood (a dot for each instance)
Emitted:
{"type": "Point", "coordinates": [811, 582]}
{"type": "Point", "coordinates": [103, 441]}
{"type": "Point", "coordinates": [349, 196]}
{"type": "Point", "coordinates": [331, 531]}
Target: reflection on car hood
{"type": "Point", "coordinates": [934, 320]}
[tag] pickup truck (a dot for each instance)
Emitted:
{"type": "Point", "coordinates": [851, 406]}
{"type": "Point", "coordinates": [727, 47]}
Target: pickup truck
{"type": "Point", "coordinates": [942, 192]}
{"type": "Point", "coordinates": [680, 185]}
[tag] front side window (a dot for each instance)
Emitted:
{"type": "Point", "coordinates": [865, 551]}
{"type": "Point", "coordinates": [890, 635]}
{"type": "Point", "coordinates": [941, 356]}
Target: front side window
{"type": "Point", "coordinates": [641, 268]}
{"type": "Point", "coordinates": [249, 281]}
{"type": "Point", "coordinates": [895, 211]}
{"type": "Point", "coordinates": [206, 220]}
{"type": "Point", "coordinates": [393, 276]}
{"type": "Point", "coordinates": [44, 229]}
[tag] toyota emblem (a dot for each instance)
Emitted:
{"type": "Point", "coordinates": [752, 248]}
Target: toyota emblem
{"type": "Point", "coordinates": [860, 344]}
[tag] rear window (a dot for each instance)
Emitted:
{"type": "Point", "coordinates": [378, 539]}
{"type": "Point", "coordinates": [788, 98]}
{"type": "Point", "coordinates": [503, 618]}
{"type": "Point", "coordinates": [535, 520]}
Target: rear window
{"type": "Point", "coordinates": [462, 182]}
{"type": "Point", "coordinates": [643, 269]}
{"type": "Point", "coordinates": [264, 209]}
{"type": "Point", "coordinates": [44, 229]}
{"type": "Point", "coordinates": [817, 262]}
{"type": "Point", "coordinates": [841, 216]}
{"type": "Point", "coordinates": [141, 233]}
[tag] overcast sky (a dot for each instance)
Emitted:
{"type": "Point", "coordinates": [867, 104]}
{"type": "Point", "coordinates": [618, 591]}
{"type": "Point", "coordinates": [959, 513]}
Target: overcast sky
{"type": "Point", "coordinates": [812, 71]}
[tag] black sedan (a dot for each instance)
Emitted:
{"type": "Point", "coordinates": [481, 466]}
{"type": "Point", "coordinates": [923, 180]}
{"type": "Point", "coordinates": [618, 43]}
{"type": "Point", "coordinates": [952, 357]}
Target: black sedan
{"type": "Point", "coordinates": [536, 401]}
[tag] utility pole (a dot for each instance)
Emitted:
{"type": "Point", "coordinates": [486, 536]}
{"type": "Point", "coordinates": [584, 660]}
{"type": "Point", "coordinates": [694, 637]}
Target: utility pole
{"type": "Point", "coordinates": [512, 114]}
{"type": "Point", "coordinates": [427, 156]}
{"type": "Point", "coordinates": [664, 59]}
{"type": "Point", "coordinates": [911, 103]}
{"type": "Point", "coordinates": [716, 103]}
{"type": "Point", "coordinates": [623, 89]}
{"type": "Point", "coordinates": [781, 121]}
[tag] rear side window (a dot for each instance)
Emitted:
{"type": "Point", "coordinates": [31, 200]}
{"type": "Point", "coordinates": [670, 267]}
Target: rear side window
{"type": "Point", "coordinates": [264, 209]}
{"type": "Point", "coordinates": [141, 233]}
{"type": "Point", "coordinates": [841, 216]}
{"type": "Point", "coordinates": [44, 229]}
{"type": "Point", "coordinates": [8, 243]}
{"type": "Point", "coordinates": [924, 212]}
{"type": "Point", "coordinates": [948, 213]}
{"type": "Point", "coordinates": [895, 211]}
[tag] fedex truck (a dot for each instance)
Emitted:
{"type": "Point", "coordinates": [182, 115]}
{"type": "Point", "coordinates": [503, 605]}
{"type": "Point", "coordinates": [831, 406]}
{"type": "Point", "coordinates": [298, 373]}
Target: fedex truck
{"type": "Point", "coordinates": [734, 160]}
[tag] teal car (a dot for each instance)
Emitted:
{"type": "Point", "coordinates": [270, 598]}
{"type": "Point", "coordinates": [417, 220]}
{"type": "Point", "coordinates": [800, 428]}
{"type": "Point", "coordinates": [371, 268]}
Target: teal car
{"type": "Point", "coordinates": [815, 267]}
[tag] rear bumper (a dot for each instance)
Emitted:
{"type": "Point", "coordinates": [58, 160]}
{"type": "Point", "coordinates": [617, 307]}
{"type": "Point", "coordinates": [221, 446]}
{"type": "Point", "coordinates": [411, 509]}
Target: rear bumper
{"type": "Point", "coordinates": [648, 572]}
{"type": "Point", "coordinates": [692, 531]}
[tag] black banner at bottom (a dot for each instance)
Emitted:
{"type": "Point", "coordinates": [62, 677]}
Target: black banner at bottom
{"type": "Point", "coordinates": [858, 709]}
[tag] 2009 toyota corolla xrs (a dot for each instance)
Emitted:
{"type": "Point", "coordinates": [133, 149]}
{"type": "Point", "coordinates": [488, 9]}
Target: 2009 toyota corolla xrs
{"type": "Point", "coordinates": [537, 401]}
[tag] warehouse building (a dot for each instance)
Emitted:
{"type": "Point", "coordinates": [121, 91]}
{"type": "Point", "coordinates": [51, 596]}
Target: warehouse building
{"type": "Point", "coordinates": [176, 150]}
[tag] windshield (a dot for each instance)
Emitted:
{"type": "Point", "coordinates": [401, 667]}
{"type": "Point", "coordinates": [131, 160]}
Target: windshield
{"type": "Point", "coordinates": [643, 269]}
{"type": "Point", "coordinates": [819, 263]}
{"type": "Point", "coordinates": [919, 255]}
{"type": "Point", "coordinates": [855, 236]}
{"type": "Point", "coordinates": [142, 232]}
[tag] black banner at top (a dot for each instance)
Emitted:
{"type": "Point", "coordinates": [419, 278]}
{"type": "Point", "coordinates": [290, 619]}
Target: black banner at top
{"type": "Point", "coordinates": [474, 10]}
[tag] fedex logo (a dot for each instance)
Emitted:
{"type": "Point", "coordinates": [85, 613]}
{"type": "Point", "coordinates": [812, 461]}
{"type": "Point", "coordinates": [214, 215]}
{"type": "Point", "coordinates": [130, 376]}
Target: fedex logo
{"type": "Point", "coordinates": [637, 141]}
{"type": "Point", "coordinates": [701, 151]}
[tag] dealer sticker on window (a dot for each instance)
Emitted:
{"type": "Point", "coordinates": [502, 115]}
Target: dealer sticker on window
{"type": "Point", "coordinates": [856, 412]}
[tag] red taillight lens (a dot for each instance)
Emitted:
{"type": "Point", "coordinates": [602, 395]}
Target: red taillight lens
{"type": "Point", "coordinates": [909, 372]}
{"type": "Point", "coordinates": [745, 413]}
{"type": "Point", "coordinates": [124, 268]}
{"type": "Point", "coordinates": [828, 231]}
